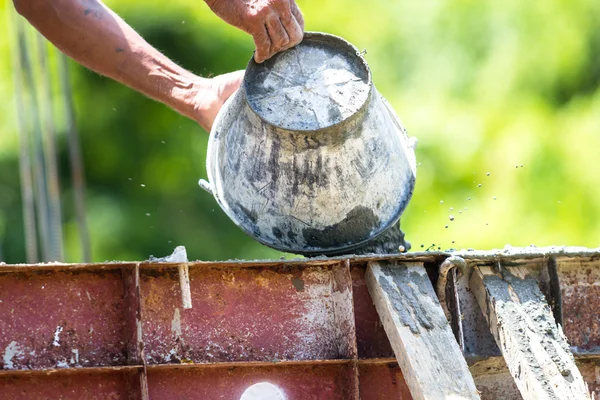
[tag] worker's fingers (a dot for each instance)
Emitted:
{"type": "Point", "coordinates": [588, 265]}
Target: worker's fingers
{"type": "Point", "coordinates": [277, 33]}
{"type": "Point", "coordinates": [294, 31]}
{"type": "Point", "coordinates": [263, 45]}
{"type": "Point", "coordinates": [289, 22]}
{"type": "Point", "coordinates": [297, 14]}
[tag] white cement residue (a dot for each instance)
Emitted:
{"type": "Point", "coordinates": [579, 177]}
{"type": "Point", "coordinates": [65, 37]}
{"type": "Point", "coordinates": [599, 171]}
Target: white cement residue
{"type": "Point", "coordinates": [76, 353]}
{"type": "Point", "coordinates": [176, 323]}
{"type": "Point", "coordinates": [317, 323]}
{"type": "Point", "coordinates": [343, 315]}
{"type": "Point", "coordinates": [11, 351]}
{"type": "Point", "coordinates": [56, 341]}
{"type": "Point", "coordinates": [179, 255]}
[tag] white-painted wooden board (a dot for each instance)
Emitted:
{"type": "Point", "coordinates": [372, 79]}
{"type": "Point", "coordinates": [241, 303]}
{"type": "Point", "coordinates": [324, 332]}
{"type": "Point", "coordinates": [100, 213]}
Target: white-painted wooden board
{"type": "Point", "coordinates": [534, 347]}
{"type": "Point", "coordinates": [420, 335]}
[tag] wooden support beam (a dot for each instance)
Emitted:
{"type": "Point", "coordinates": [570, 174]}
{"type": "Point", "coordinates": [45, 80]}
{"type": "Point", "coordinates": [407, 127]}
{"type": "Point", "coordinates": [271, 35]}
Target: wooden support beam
{"type": "Point", "coordinates": [426, 350]}
{"type": "Point", "coordinates": [534, 347]}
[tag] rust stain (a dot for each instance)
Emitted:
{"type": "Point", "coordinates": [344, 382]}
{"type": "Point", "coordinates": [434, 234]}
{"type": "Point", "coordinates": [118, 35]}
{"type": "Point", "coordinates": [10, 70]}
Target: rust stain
{"type": "Point", "coordinates": [580, 287]}
{"type": "Point", "coordinates": [372, 342]}
{"type": "Point", "coordinates": [382, 382]}
{"type": "Point", "coordinates": [241, 319]}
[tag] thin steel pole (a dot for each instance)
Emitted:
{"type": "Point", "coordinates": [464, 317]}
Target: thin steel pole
{"type": "Point", "coordinates": [77, 172]}
{"type": "Point", "coordinates": [49, 144]}
{"type": "Point", "coordinates": [40, 192]}
{"type": "Point", "coordinates": [27, 198]}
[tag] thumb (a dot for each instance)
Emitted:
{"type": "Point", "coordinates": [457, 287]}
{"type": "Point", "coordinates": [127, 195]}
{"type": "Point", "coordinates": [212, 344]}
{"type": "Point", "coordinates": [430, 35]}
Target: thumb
{"type": "Point", "coordinates": [228, 83]}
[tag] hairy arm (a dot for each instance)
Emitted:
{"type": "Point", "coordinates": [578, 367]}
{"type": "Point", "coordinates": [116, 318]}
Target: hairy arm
{"type": "Point", "coordinates": [93, 35]}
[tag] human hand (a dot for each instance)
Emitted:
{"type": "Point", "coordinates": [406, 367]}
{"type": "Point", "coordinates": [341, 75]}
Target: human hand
{"type": "Point", "coordinates": [275, 25]}
{"type": "Point", "coordinates": [211, 94]}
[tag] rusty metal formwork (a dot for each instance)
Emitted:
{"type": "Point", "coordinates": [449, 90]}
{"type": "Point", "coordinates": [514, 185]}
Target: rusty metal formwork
{"type": "Point", "coordinates": [119, 331]}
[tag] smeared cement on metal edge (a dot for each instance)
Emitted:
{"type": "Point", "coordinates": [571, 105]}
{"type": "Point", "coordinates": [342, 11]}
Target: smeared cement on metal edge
{"type": "Point", "coordinates": [536, 309]}
{"type": "Point", "coordinates": [317, 317]}
{"type": "Point", "coordinates": [468, 254]}
{"type": "Point", "coordinates": [336, 315]}
{"type": "Point", "coordinates": [412, 299]}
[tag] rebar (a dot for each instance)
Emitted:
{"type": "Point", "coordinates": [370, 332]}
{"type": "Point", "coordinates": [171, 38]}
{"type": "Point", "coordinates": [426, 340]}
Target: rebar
{"type": "Point", "coordinates": [75, 158]}
{"type": "Point", "coordinates": [49, 146]}
{"type": "Point", "coordinates": [25, 175]}
{"type": "Point", "coordinates": [40, 189]}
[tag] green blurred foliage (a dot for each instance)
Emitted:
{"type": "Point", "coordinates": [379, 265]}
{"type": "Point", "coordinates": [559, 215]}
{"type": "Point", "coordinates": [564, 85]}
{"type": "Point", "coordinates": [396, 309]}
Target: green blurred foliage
{"type": "Point", "coordinates": [506, 88]}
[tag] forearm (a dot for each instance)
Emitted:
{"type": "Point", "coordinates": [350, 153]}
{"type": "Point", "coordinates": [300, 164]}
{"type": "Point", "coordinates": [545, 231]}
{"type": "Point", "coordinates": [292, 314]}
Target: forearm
{"type": "Point", "coordinates": [93, 35]}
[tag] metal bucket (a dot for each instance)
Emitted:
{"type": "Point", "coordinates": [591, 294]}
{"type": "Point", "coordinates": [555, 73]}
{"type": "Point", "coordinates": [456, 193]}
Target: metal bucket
{"type": "Point", "coordinates": [307, 157]}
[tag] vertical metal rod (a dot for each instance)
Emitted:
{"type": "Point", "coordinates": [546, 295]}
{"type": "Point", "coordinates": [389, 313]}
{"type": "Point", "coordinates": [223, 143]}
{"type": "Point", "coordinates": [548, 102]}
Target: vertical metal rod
{"type": "Point", "coordinates": [27, 199]}
{"type": "Point", "coordinates": [77, 173]}
{"type": "Point", "coordinates": [49, 147]}
{"type": "Point", "coordinates": [40, 192]}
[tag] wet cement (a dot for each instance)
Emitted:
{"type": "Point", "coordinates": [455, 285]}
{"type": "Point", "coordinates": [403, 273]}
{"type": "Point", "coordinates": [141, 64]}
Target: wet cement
{"type": "Point", "coordinates": [358, 223]}
{"type": "Point", "coordinates": [524, 314]}
{"type": "Point", "coordinates": [407, 299]}
{"type": "Point", "coordinates": [391, 241]}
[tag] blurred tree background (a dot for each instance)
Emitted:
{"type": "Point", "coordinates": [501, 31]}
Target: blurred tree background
{"type": "Point", "coordinates": [504, 98]}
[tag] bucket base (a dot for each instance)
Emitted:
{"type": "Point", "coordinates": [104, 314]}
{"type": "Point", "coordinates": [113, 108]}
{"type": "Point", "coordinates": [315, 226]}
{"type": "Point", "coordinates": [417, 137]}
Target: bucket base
{"type": "Point", "coordinates": [391, 241]}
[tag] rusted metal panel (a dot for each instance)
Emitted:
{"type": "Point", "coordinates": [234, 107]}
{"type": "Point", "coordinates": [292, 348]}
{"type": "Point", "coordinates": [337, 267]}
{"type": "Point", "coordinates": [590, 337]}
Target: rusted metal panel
{"type": "Point", "coordinates": [331, 382]}
{"type": "Point", "coordinates": [580, 289]}
{"type": "Point", "coordinates": [246, 314]}
{"type": "Point", "coordinates": [371, 340]}
{"type": "Point", "coordinates": [262, 303]}
{"type": "Point", "coordinates": [62, 319]}
{"type": "Point", "coordinates": [591, 373]}
{"type": "Point", "coordinates": [382, 382]}
{"type": "Point", "coordinates": [89, 386]}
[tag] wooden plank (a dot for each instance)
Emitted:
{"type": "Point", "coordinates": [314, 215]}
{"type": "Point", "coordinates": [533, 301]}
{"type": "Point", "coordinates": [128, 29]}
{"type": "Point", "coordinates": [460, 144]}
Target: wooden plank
{"type": "Point", "coordinates": [534, 347]}
{"type": "Point", "coordinates": [420, 335]}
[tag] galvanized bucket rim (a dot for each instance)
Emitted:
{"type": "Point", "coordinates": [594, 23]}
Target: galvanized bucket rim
{"type": "Point", "coordinates": [327, 38]}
